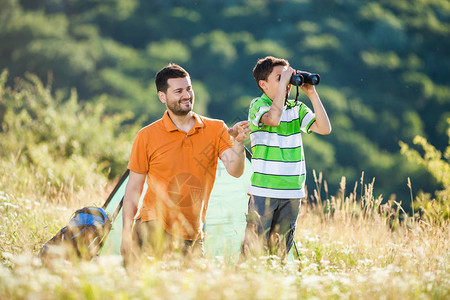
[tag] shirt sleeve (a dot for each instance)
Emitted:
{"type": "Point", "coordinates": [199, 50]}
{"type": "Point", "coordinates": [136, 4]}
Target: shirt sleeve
{"type": "Point", "coordinates": [257, 109]}
{"type": "Point", "coordinates": [225, 140]}
{"type": "Point", "coordinates": [139, 159]}
{"type": "Point", "coordinates": [306, 118]}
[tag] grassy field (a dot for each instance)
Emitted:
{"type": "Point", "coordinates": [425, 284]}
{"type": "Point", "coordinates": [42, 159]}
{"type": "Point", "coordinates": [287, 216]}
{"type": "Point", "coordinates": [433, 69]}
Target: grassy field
{"type": "Point", "coordinates": [350, 246]}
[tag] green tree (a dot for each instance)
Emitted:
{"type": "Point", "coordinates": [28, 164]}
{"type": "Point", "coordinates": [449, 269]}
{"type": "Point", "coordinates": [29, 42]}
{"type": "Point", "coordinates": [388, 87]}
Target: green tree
{"type": "Point", "coordinates": [438, 164]}
{"type": "Point", "coordinates": [64, 143]}
{"type": "Point", "coordinates": [384, 66]}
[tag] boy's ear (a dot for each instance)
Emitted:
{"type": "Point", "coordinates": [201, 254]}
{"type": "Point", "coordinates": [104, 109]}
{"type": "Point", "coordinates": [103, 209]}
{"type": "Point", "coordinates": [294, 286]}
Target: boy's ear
{"type": "Point", "coordinates": [262, 84]}
{"type": "Point", "coordinates": [162, 97]}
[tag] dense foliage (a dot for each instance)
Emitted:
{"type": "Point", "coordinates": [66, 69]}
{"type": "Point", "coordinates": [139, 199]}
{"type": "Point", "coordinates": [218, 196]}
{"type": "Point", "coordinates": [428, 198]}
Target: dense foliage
{"type": "Point", "coordinates": [438, 164]}
{"type": "Point", "coordinates": [56, 141]}
{"type": "Point", "coordinates": [384, 67]}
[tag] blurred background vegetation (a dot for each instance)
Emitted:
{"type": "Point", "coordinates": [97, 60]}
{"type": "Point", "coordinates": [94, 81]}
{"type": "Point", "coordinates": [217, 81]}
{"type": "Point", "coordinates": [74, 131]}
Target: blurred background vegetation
{"type": "Point", "coordinates": [78, 80]}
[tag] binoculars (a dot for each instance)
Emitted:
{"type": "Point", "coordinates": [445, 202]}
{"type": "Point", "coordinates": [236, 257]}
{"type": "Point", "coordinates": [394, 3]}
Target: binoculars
{"type": "Point", "coordinates": [300, 78]}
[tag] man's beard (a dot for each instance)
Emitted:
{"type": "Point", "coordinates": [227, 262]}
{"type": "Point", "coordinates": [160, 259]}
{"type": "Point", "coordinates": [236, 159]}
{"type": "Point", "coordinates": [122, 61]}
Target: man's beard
{"type": "Point", "coordinates": [175, 107]}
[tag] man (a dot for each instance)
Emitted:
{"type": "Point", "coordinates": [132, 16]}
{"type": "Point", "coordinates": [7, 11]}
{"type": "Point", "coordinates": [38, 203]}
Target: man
{"type": "Point", "coordinates": [279, 172]}
{"type": "Point", "coordinates": [178, 156]}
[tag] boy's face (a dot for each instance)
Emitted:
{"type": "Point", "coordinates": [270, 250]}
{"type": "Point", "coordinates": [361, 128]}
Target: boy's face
{"type": "Point", "coordinates": [270, 86]}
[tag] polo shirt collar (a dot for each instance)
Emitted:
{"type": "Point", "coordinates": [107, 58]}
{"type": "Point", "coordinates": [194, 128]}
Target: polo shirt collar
{"type": "Point", "coordinates": [266, 99]}
{"type": "Point", "coordinates": [170, 126]}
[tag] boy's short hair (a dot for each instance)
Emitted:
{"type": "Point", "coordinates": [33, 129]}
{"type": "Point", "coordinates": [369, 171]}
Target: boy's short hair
{"type": "Point", "coordinates": [265, 66]}
{"type": "Point", "coordinates": [170, 71]}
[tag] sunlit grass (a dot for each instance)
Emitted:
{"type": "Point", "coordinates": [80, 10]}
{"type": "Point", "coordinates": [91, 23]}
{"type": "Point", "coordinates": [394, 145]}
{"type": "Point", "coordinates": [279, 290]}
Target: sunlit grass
{"type": "Point", "coordinates": [32, 210]}
{"type": "Point", "coordinates": [350, 247]}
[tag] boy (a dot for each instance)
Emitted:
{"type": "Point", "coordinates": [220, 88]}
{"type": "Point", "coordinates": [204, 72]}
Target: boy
{"type": "Point", "coordinates": [277, 184]}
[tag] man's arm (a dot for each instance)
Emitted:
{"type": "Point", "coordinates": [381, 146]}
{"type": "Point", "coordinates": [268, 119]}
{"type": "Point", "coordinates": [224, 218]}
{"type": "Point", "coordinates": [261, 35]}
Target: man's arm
{"type": "Point", "coordinates": [133, 192]}
{"type": "Point", "coordinates": [322, 124]}
{"type": "Point", "coordinates": [234, 158]}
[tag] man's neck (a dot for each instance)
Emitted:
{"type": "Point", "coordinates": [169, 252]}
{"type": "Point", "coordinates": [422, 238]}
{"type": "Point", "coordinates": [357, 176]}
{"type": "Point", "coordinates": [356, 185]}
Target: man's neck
{"type": "Point", "coordinates": [184, 123]}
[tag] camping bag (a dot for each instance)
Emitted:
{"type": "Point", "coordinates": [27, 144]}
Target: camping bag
{"type": "Point", "coordinates": [83, 237]}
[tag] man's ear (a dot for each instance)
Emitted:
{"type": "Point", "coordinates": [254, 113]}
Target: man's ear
{"type": "Point", "coordinates": [162, 97]}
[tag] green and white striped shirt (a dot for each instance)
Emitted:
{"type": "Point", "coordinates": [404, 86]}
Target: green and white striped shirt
{"type": "Point", "coordinates": [278, 160]}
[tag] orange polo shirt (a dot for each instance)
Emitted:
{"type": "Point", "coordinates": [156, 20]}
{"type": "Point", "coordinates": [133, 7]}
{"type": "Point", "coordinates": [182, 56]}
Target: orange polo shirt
{"type": "Point", "coordinates": [180, 169]}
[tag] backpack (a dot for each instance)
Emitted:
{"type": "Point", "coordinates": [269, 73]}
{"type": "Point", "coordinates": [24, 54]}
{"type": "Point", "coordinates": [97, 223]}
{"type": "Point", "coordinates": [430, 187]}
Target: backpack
{"type": "Point", "coordinates": [83, 237]}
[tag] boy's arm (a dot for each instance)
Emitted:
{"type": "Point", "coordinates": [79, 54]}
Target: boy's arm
{"type": "Point", "coordinates": [322, 124]}
{"type": "Point", "coordinates": [273, 116]}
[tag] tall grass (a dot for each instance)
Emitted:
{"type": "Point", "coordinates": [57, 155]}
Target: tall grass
{"type": "Point", "coordinates": [32, 209]}
{"type": "Point", "coordinates": [350, 247]}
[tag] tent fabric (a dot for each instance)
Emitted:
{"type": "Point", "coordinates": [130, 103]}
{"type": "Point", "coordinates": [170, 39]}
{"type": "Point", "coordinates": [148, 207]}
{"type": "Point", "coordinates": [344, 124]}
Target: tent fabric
{"type": "Point", "coordinates": [225, 219]}
{"type": "Point", "coordinates": [113, 207]}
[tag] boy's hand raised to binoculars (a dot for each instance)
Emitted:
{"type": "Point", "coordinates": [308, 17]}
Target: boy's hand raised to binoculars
{"type": "Point", "coordinates": [286, 75]}
{"type": "Point", "coordinates": [306, 87]}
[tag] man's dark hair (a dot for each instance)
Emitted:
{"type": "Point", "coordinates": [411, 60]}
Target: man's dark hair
{"type": "Point", "coordinates": [170, 71]}
{"type": "Point", "coordinates": [265, 66]}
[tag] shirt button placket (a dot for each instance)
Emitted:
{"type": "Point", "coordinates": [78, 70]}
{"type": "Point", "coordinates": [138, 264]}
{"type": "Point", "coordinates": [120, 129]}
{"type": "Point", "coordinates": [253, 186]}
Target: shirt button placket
{"type": "Point", "coordinates": [187, 143]}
